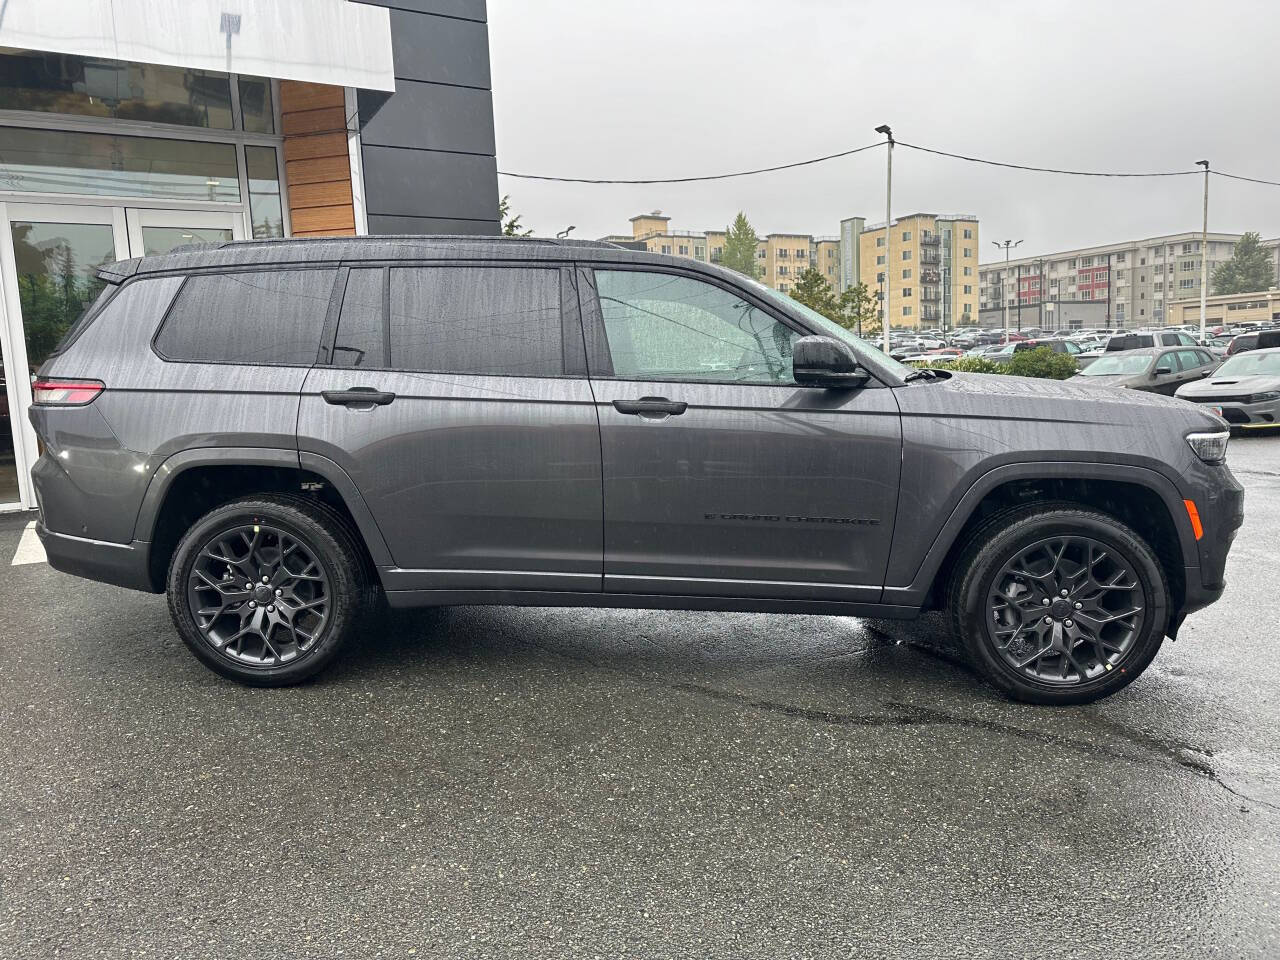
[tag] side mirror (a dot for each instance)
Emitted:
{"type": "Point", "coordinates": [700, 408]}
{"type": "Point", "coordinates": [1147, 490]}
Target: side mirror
{"type": "Point", "coordinates": [826, 362]}
{"type": "Point", "coordinates": [1163, 371]}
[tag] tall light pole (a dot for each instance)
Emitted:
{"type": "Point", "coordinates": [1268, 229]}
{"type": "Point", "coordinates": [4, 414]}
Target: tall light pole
{"type": "Point", "coordinates": [888, 217]}
{"type": "Point", "coordinates": [1008, 245]}
{"type": "Point", "coordinates": [1204, 250]}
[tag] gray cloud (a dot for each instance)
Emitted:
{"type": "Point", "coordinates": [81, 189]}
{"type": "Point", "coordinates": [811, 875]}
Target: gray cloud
{"type": "Point", "coordinates": [665, 88]}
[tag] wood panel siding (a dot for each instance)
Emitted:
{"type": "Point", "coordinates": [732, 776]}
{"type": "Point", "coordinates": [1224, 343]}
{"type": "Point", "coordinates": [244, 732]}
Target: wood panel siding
{"type": "Point", "coordinates": [316, 163]}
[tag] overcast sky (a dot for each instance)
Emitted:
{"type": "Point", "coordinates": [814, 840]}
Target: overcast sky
{"type": "Point", "coordinates": [667, 88]}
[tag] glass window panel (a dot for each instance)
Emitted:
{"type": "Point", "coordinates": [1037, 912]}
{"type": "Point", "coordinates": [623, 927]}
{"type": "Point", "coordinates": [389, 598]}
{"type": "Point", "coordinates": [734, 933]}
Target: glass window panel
{"type": "Point", "coordinates": [60, 161]}
{"type": "Point", "coordinates": [663, 327]}
{"type": "Point", "coordinates": [485, 320]}
{"type": "Point", "coordinates": [249, 317]}
{"type": "Point", "coordinates": [156, 240]}
{"type": "Point", "coordinates": [264, 192]}
{"type": "Point", "coordinates": [256, 112]}
{"type": "Point", "coordinates": [97, 87]}
{"type": "Point", "coordinates": [56, 265]}
{"type": "Point", "coordinates": [360, 340]}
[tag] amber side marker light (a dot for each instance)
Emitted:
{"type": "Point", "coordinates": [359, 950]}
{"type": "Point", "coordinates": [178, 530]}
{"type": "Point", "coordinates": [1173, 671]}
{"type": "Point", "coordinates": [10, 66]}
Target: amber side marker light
{"type": "Point", "coordinates": [65, 393]}
{"type": "Point", "coordinates": [1194, 516]}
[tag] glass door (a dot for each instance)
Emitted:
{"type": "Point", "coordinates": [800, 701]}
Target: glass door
{"type": "Point", "coordinates": [49, 255]}
{"type": "Point", "coordinates": [159, 231]}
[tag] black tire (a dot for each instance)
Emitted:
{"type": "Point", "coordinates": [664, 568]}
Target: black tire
{"type": "Point", "coordinates": [332, 606]}
{"type": "Point", "coordinates": [982, 616]}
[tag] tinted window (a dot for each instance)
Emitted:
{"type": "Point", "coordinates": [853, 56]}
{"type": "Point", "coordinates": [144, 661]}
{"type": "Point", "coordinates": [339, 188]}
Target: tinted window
{"type": "Point", "coordinates": [661, 326]}
{"type": "Point", "coordinates": [273, 317]}
{"type": "Point", "coordinates": [359, 341]}
{"type": "Point", "coordinates": [494, 320]}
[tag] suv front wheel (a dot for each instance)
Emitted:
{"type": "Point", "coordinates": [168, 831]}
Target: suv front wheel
{"type": "Point", "coordinates": [1059, 604]}
{"type": "Point", "coordinates": [267, 589]}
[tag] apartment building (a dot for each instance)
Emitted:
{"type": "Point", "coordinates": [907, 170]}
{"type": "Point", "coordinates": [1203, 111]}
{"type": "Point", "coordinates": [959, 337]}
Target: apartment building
{"type": "Point", "coordinates": [780, 257]}
{"type": "Point", "coordinates": [928, 263]}
{"type": "Point", "coordinates": [1118, 284]}
{"type": "Point", "coordinates": [1230, 308]}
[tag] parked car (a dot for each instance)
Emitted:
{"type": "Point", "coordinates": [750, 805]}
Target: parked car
{"type": "Point", "coordinates": [1005, 353]}
{"type": "Point", "coordinates": [275, 432]}
{"type": "Point", "coordinates": [1262, 340]}
{"type": "Point", "coordinates": [1136, 340]}
{"type": "Point", "coordinates": [1154, 369]}
{"type": "Point", "coordinates": [1244, 391]}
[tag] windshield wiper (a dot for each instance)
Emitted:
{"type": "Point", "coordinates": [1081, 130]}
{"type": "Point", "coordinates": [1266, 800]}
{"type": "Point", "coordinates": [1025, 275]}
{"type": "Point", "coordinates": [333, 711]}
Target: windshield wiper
{"type": "Point", "coordinates": [924, 373]}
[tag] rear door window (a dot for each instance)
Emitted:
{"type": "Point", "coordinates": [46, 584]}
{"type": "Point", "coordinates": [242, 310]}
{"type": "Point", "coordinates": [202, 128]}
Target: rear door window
{"type": "Point", "coordinates": [360, 340]}
{"type": "Point", "coordinates": [496, 320]}
{"type": "Point", "coordinates": [267, 317]}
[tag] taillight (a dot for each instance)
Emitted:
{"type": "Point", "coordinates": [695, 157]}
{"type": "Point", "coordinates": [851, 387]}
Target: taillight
{"type": "Point", "coordinates": [66, 393]}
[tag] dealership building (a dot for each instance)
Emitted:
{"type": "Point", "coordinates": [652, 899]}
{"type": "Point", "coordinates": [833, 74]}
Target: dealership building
{"type": "Point", "coordinates": [130, 127]}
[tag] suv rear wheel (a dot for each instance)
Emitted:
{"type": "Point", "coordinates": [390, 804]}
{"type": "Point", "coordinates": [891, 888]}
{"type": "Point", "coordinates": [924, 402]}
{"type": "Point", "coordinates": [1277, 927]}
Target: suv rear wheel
{"type": "Point", "coordinates": [1059, 604]}
{"type": "Point", "coordinates": [267, 589]}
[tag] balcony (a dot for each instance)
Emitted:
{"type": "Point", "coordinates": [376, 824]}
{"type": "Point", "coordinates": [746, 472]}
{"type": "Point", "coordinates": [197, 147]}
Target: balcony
{"type": "Point", "coordinates": [930, 256]}
{"type": "Point", "coordinates": [930, 293]}
{"type": "Point", "coordinates": [930, 276]}
{"type": "Point", "coordinates": [930, 239]}
{"type": "Point", "coordinates": [930, 313]}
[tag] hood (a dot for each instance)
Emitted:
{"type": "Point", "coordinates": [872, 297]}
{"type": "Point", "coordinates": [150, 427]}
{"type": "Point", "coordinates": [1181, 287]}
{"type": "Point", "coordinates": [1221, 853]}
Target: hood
{"type": "Point", "coordinates": [994, 396]}
{"type": "Point", "coordinates": [1110, 380]}
{"type": "Point", "coordinates": [1230, 386]}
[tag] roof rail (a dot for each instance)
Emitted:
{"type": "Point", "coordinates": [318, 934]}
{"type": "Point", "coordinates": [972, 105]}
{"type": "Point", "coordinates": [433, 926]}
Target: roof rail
{"type": "Point", "coordinates": [418, 238]}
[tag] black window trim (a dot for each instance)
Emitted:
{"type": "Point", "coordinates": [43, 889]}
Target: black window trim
{"type": "Point", "coordinates": [570, 321]}
{"type": "Point", "coordinates": [188, 275]}
{"type": "Point", "coordinates": [599, 358]}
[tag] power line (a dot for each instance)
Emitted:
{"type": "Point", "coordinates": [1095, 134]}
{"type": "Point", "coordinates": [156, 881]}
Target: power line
{"type": "Point", "coordinates": [717, 176]}
{"type": "Point", "coordinates": [1236, 176]}
{"type": "Point", "coordinates": [1020, 166]}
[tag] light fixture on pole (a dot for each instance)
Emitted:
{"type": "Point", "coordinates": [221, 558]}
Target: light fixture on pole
{"type": "Point", "coordinates": [888, 217]}
{"type": "Point", "coordinates": [1008, 245]}
{"type": "Point", "coordinates": [565, 232]}
{"type": "Point", "coordinates": [1204, 250]}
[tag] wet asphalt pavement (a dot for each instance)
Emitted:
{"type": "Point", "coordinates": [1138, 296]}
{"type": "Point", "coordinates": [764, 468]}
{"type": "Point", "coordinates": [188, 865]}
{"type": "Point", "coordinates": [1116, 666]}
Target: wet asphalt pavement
{"type": "Point", "coordinates": [561, 783]}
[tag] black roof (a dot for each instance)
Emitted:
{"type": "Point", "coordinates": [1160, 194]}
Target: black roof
{"type": "Point", "coordinates": [382, 248]}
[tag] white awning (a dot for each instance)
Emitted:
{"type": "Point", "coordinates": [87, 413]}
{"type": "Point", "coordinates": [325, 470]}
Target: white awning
{"type": "Point", "coordinates": [318, 41]}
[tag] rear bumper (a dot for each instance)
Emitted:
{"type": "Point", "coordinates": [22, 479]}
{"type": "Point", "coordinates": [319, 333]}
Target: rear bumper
{"type": "Point", "coordinates": [121, 564]}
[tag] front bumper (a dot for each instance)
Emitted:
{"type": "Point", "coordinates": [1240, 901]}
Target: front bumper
{"type": "Point", "coordinates": [1249, 416]}
{"type": "Point", "coordinates": [121, 564]}
{"type": "Point", "coordinates": [1221, 509]}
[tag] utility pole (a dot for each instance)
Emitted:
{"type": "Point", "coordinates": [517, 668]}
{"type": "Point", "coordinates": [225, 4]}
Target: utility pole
{"type": "Point", "coordinates": [1040, 293]}
{"type": "Point", "coordinates": [1004, 297]}
{"type": "Point", "coordinates": [888, 217]}
{"type": "Point", "coordinates": [1204, 250]}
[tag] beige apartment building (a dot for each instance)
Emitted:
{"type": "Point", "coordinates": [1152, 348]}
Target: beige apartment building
{"type": "Point", "coordinates": [1263, 307]}
{"type": "Point", "coordinates": [929, 263]}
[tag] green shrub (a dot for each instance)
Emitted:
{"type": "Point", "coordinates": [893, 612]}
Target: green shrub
{"type": "Point", "coordinates": [1043, 363]}
{"type": "Point", "coordinates": [973, 365]}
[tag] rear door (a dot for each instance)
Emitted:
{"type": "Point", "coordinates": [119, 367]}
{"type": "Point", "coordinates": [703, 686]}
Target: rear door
{"type": "Point", "coordinates": [722, 477]}
{"type": "Point", "coordinates": [455, 397]}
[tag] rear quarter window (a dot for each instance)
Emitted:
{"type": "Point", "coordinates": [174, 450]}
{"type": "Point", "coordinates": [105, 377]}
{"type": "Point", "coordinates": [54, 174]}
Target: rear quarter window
{"type": "Point", "coordinates": [266, 317]}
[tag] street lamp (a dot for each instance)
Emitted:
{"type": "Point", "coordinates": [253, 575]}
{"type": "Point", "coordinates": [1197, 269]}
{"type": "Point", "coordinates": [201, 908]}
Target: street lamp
{"type": "Point", "coordinates": [1008, 245]}
{"type": "Point", "coordinates": [565, 232]}
{"type": "Point", "coordinates": [1204, 250]}
{"type": "Point", "coordinates": [888, 217]}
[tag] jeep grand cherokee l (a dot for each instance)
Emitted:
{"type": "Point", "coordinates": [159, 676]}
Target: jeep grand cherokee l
{"type": "Point", "coordinates": [277, 433]}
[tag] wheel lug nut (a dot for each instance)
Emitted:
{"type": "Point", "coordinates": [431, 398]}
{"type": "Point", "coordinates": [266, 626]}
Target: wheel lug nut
{"type": "Point", "coordinates": [252, 604]}
{"type": "Point", "coordinates": [1044, 602]}
{"type": "Point", "coordinates": [1062, 593]}
{"type": "Point", "coordinates": [272, 609]}
{"type": "Point", "coordinates": [1066, 623]}
{"type": "Point", "coordinates": [1048, 619]}
{"type": "Point", "coordinates": [1078, 604]}
{"type": "Point", "coordinates": [248, 586]}
{"type": "Point", "coordinates": [280, 593]}
{"type": "Point", "coordinates": [267, 579]}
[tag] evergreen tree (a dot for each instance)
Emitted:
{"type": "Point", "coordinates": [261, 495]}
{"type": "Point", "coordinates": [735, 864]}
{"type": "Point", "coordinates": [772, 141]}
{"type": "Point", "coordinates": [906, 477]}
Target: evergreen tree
{"type": "Point", "coordinates": [740, 244]}
{"type": "Point", "coordinates": [1250, 270]}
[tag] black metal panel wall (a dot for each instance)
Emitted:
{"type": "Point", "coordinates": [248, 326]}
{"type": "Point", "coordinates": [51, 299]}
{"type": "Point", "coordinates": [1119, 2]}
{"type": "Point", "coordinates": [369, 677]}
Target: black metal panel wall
{"type": "Point", "coordinates": [428, 149]}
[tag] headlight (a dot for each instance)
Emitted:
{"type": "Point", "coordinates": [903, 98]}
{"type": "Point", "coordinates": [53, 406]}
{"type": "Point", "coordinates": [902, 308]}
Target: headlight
{"type": "Point", "coordinates": [1210, 447]}
{"type": "Point", "coordinates": [1264, 397]}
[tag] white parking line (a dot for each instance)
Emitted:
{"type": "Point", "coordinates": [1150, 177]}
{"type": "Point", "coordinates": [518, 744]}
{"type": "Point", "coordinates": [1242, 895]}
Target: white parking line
{"type": "Point", "coordinates": [30, 549]}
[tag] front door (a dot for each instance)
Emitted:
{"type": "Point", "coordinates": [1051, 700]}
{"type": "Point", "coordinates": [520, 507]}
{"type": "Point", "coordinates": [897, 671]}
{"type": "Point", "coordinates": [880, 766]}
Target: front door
{"type": "Point", "coordinates": [49, 255]}
{"type": "Point", "coordinates": [722, 476]}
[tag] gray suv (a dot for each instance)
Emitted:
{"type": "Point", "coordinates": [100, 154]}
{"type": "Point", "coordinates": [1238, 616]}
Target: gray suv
{"type": "Point", "coordinates": [282, 434]}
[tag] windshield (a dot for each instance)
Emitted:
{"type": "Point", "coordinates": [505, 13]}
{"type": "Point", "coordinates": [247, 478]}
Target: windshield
{"type": "Point", "coordinates": [1115, 366]}
{"type": "Point", "coordinates": [1250, 365]}
{"type": "Point", "coordinates": [830, 328]}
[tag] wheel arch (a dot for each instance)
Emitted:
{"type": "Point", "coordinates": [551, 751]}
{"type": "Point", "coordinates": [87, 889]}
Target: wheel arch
{"type": "Point", "coordinates": [192, 482]}
{"type": "Point", "coordinates": [1142, 498]}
